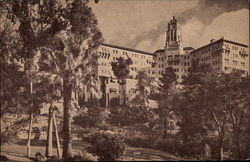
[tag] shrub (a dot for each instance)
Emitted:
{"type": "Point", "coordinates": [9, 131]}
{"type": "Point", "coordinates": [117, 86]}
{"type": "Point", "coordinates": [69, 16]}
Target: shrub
{"type": "Point", "coordinates": [139, 142]}
{"type": "Point", "coordinates": [6, 138]}
{"type": "Point", "coordinates": [107, 145]}
{"type": "Point", "coordinates": [170, 145]}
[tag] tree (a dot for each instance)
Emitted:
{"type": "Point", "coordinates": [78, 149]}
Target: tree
{"type": "Point", "coordinates": [141, 111]}
{"type": "Point", "coordinates": [121, 69]}
{"type": "Point", "coordinates": [63, 35]}
{"type": "Point", "coordinates": [210, 102]}
{"type": "Point", "coordinates": [191, 105]}
{"type": "Point", "coordinates": [52, 95]}
{"type": "Point", "coordinates": [166, 80]}
{"type": "Point", "coordinates": [12, 76]}
{"type": "Point", "coordinates": [231, 102]}
{"type": "Point", "coordinates": [166, 84]}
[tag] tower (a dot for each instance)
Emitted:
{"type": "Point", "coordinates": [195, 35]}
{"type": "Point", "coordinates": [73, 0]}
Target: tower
{"type": "Point", "coordinates": [173, 35]}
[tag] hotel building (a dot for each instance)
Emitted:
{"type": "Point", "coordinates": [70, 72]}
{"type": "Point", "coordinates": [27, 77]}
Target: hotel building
{"type": "Point", "coordinates": [112, 91]}
{"type": "Point", "coordinates": [173, 55]}
{"type": "Point", "coordinates": [223, 56]}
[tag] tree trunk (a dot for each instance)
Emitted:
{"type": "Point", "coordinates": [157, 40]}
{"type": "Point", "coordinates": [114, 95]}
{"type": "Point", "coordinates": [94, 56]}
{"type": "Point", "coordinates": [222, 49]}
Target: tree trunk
{"type": "Point", "coordinates": [221, 150]}
{"type": "Point", "coordinates": [165, 128]}
{"type": "Point", "coordinates": [237, 146]}
{"type": "Point", "coordinates": [31, 121]}
{"type": "Point", "coordinates": [207, 152]}
{"type": "Point", "coordinates": [49, 146]}
{"type": "Point", "coordinates": [29, 134]}
{"type": "Point", "coordinates": [57, 137]}
{"type": "Point", "coordinates": [67, 92]}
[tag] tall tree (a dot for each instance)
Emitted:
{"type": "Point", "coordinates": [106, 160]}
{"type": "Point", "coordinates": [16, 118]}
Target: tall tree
{"type": "Point", "coordinates": [121, 69]}
{"type": "Point", "coordinates": [215, 102]}
{"type": "Point", "coordinates": [63, 35]}
{"type": "Point", "coordinates": [166, 80]}
{"type": "Point", "coordinates": [191, 104]}
{"type": "Point", "coordinates": [141, 100]}
{"type": "Point", "coordinates": [167, 83]}
{"type": "Point", "coordinates": [229, 110]}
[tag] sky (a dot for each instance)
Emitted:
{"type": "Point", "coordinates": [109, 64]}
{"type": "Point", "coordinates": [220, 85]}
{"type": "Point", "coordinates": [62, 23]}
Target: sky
{"type": "Point", "coordinates": [141, 24]}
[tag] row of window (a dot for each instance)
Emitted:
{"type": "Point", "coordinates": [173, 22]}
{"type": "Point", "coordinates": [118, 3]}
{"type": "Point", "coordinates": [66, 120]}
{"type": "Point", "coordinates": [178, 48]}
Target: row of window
{"type": "Point", "coordinates": [205, 58]}
{"type": "Point", "coordinates": [235, 62]}
{"type": "Point", "coordinates": [234, 47]}
{"type": "Point", "coordinates": [176, 70]}
{"type": "Point", "coordinates": [217, 69]}
{"type": "Point", "coordinates": [175, 56]}
{"type": "Point", "coordinates": [104, 55]}
{"type": "Point", "coordinates": [208, 49]}
{"type": "Point", "coordinates": [173, 63]}
{"type": "Point", "coordinates": [242, 55]}
{"type": "Point", "coordinates": [216, 62]}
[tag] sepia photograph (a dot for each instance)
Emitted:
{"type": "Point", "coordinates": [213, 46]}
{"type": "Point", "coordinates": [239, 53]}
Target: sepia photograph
{"type": "Point", "coordinates": [124, 80]}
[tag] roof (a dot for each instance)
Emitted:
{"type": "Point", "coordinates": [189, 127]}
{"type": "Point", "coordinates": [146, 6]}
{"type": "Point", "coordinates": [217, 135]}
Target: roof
{"type": "Point", "coordinates": [188, 48]}
{"type": "Point", "coordinates": [219, 41]}
{"type": "Point", "coordinates": [159, 50]}
{"type": "Point", "coordinates": [125, 48]}
{"type": "Point", "coordinates": [237, 43]}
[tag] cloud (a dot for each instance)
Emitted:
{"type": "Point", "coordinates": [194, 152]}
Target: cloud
{"type": "Point", "coordinates": [207, 10]}
{"type": "Point", "coordinates": [142, 24]}
{"type": "Point", "coordinates": [150, 45]}
{"type": "Point", "coordinates": [232, 25]}
{"type": "Point", "coordinates": [127, 22]}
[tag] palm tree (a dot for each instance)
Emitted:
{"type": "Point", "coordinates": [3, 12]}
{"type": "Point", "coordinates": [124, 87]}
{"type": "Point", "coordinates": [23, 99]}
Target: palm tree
{"type": "Point", "coordinates": [71, 64]}
{"type": "Point", "coordinates": [63, 35]}
{"type": "Point", "coordinates": [121, 69]}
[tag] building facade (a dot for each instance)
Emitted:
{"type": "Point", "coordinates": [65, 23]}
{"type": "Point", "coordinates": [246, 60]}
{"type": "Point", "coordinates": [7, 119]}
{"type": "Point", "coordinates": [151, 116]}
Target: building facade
{"type": "Point", "coordinates": [112, 91]}
{"type": "Point", "coordinates": [223, 56]}
{"type": "Point", "coordinates": [173, 55]}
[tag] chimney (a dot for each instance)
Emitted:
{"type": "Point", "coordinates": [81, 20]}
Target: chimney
{"type": "Point", "coordinates": [212, 40]}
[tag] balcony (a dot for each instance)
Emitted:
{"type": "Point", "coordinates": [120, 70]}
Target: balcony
{"type": "Point", "coordinates": [243, 54]}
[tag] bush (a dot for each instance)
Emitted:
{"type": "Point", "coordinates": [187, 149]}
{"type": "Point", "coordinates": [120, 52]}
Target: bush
{"type": "Point", "coordinates": [6, 138]}
{"type": "Point", "coordinates": [139, 142]}
{"type": "Point", "coordinates": [107, 145]}
{"type": "Point", "coordinates": [170, 145]}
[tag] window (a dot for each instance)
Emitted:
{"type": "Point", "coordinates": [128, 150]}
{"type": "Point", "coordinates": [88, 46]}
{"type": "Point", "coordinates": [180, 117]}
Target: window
{"type": "Point", "coordinates": [227, 61]}
{"type": "Point", "coordinates": [234, 62]}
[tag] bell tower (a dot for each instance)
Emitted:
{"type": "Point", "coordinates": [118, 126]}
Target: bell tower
{"type": "Point", "coordinates": [173, 35]}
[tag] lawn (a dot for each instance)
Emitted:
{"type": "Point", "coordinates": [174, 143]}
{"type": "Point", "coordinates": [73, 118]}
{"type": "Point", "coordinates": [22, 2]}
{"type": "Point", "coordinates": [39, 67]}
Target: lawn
{"type": "Point", "coordinates": [17, 152]}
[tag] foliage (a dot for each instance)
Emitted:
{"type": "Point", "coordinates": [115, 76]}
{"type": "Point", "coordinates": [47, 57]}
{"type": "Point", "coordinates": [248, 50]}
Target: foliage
{"type": "Point", "coordinates": [167, 83]}
{"type": "Point", "coordinates": [62, 36]}
{"type": "Point", "coordinates": [121, 116]}
{"type": "Point", "coordinates": [92, 118]}
{"type": "Point", "coordinates": [190, 105]}
{"type": "Point", "coordinates": [210, 102]}
{"type": "Point", "coordinates": [108, 145]}
{"type": "Point", "coordinates": [121, 67]}
{"type": "Point", "coordinates": [139, 106]}
{"type": "Point", "coordinates": [166, 80]}
{"type": "Point", "coordinates": [139, 142]}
